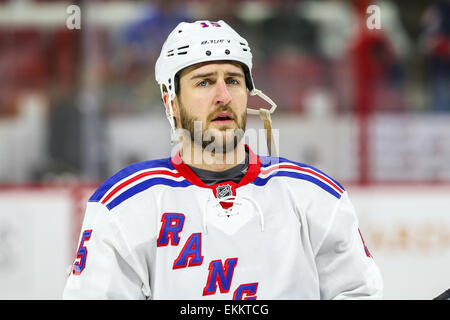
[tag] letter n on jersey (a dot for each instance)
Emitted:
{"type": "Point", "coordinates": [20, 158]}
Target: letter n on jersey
{"type": "Point", "coordinates": [218, 274]}
{"type": "Point", "coordinates": [172, 224]}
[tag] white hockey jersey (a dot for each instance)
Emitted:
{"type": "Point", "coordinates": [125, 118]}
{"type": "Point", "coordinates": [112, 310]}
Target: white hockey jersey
{"type": "Point", "coordinates": [154, 230]}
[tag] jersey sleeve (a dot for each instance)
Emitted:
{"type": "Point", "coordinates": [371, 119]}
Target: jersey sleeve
{"type": "Point", "coordinates": [345, 266]}
{"type": "Point", "coordinates": [104, 268]}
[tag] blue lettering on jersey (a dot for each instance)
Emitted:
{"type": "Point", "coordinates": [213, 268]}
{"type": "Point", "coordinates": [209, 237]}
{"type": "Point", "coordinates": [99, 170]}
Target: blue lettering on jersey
{"type": "Point", "coordinates": [191, 255]}
{"type": "Point", "coordinates": [172, 224]}
{"type": "Point", "coordinates": [218, 274]}
{"type": "Point", "coordinates": [246, 291]}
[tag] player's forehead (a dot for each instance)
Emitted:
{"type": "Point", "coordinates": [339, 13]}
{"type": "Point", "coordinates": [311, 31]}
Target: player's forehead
{"type": "Point", "coordinates": [212, 67]}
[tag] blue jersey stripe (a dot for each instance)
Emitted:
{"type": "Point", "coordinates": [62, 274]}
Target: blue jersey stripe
{"type": "Point", "coordinates": [262, 181]}
{"type": "Point", "coordinates": [144, 186]}
{"type": "Point", "coordinates": [128, 171]}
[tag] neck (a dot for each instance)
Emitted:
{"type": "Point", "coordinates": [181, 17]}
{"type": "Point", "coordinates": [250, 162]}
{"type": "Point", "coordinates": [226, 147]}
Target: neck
{"type": "Point", "coordinates": [194, 155]}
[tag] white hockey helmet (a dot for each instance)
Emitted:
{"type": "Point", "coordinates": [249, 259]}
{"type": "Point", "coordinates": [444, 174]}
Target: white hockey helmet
{"type": "Point", "coordinates": [202, 41]}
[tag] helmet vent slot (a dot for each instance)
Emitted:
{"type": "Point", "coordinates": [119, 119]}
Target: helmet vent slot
{"type": "Point", "coordinates": [244, 46]}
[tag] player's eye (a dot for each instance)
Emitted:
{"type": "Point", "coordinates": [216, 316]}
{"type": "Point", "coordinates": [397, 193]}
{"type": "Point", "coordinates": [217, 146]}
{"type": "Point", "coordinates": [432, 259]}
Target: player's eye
{"type": "Point", "coordinates": [233, 81]}
{"type": "Point", "coordinates": [203, 83]}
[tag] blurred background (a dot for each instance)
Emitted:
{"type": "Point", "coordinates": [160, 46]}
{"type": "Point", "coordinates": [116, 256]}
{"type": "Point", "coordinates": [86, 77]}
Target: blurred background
{"type": "Point", "coordinates": [370, 107]}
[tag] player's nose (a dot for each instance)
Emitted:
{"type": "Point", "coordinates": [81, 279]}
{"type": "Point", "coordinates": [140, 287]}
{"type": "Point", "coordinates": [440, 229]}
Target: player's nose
{"type": "Point", "coordinates": [223, 96]}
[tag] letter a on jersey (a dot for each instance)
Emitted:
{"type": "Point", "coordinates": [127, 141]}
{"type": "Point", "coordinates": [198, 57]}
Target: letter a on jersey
{"type": "Point", "coordinates": [218, 274]}
{"type": "Point", "coordinates": [192, 251]}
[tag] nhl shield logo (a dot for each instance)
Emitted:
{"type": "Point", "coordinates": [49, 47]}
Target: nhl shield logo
{"type": "Point", "coordinates": [224, 191]}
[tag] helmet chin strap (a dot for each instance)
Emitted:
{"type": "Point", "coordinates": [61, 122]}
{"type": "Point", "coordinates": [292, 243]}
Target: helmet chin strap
{"type": "Point", "coordinates": [264, 114]}
{"type": "Point", "coordinates": [172, 129]}
{"type": "Point", "coordinates": [169, 115]}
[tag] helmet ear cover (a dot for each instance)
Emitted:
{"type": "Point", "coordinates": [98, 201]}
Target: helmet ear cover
{"type": "Point", "coordinates": [248, 77]}
{"type": "Point", "coordinates": [176, 82]}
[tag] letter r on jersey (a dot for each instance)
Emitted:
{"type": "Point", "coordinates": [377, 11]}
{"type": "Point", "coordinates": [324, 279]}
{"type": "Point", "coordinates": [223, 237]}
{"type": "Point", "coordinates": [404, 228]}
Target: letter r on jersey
{"type": "Point", "coordinates": [172, 224]}
{"type": "Point", "coordinates": [218, 274]}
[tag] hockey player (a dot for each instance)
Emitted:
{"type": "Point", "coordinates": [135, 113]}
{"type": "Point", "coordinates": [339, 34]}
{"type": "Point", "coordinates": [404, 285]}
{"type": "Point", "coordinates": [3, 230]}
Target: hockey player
{"type": "Point", "coordinates": [195, 226]}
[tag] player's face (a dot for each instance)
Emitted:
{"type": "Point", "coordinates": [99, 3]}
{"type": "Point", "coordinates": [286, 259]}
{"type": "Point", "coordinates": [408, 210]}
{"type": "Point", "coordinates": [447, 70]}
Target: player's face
{"type": "Point", "coordinates": [214, 94]}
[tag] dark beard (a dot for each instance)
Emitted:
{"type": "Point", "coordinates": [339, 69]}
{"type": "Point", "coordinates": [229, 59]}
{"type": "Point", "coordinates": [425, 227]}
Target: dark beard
{"type": "Point", "coordinates": [187, 122]}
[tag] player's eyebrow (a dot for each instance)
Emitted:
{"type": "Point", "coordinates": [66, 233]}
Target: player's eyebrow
{"type": "Point", "coordinates": [234, 74]}
{"type": "Point", "coordinates": [209, 74]}
{"type": "Point", "coordinates": [202, 75]}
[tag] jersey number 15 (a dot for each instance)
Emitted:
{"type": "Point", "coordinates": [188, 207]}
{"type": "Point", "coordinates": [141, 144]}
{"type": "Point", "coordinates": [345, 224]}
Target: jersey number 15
{"type": "Point", "coordinates": [82, 252]}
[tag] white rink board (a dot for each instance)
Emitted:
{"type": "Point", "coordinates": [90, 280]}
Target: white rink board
{"type": "Point", "coordinates": [406, 229]}
{"type": "Point", "coordinates": [34, 243]}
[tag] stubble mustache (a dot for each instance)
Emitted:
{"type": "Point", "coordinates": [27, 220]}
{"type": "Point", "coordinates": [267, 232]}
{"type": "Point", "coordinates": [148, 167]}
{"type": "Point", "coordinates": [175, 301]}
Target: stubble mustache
{"type": "Point", "coordinates": [212, 139]}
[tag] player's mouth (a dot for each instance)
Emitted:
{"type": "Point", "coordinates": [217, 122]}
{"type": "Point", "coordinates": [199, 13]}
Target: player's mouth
{"type": "Point", "coordinates": [223, 118]}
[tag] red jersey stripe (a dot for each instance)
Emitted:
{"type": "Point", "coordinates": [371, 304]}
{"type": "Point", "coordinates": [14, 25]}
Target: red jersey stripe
{"type": "Point", "coordinates": [137, 177]}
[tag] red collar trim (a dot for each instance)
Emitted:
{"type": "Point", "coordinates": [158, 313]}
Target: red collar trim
{"type": "Point", "coordinates": [253, 171]}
